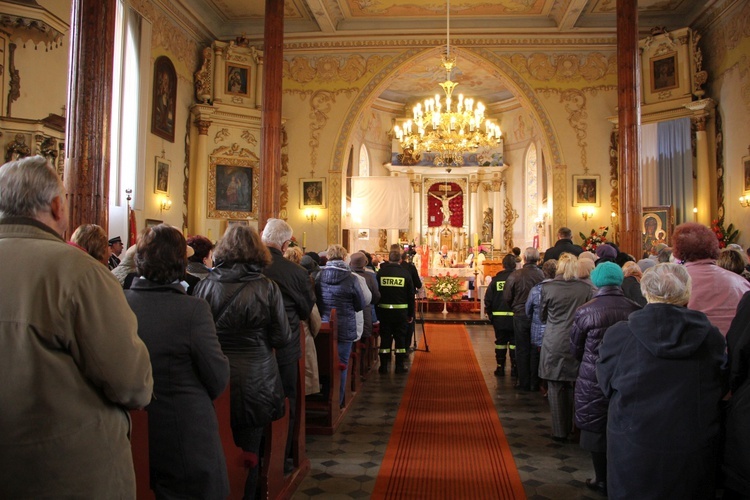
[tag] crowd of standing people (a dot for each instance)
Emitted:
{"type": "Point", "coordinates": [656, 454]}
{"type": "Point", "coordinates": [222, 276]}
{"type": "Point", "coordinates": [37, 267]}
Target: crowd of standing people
{"type": "Point", "coordinates": [644, 363]}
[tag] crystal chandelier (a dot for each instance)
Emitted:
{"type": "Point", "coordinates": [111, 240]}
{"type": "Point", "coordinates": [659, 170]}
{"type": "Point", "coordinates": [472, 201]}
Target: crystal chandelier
{"type": "Point", "coordinates": [446, 128]}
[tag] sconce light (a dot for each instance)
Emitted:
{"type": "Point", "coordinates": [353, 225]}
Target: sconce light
{"type": "Point", "coordinates": [613, 215]}
{"type": "Point", "coordinates": [165, 204]}
{"type": "Point", "coordinates": [311, 215]}
{"type": "Point", "coordinates": [587, 213]}
{"type": "Point", "coordinates": [695, 214]}
{"type": "Point", "coordinates": [745, 201]}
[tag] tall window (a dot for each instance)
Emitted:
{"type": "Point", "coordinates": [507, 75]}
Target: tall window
{"type": "Point", "coordinates": [364, 161]}
{"type": "Point", "coordinates": [532, 193]}
{"type": "Point", "coordinates": [129, 99]}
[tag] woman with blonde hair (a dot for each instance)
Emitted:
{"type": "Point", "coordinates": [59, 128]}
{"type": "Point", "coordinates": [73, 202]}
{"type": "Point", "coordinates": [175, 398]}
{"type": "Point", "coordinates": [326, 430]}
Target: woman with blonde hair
{"type": "Point", "coordinates": [93, 240]}
{"type": "Point", "coordinates": [631, 284]}
{"type": "Point", "coordinates": [559, 301]}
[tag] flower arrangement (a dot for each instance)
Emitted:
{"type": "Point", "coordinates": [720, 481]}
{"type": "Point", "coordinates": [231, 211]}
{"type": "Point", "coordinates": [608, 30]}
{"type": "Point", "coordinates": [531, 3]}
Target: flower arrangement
{"type": "Point", "coordinates": [725, 236]}
{"type": "Point", "coordinates": [594, 239]}
{"type": "Point", "coordinates": [445, 287]}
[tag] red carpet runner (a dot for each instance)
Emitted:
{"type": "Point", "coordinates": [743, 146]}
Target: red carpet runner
{"type": "Point", "coordinates": [447, 441]}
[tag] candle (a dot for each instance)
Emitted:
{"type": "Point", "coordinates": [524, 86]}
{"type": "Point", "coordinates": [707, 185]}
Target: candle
{"type": "Point", "coordinates": [304, 239]}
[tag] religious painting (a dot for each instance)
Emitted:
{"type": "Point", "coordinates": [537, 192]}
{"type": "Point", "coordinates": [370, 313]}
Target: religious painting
{"type": "Point", "coordinates": [746, 171]}
{"type": "Point", "coordinates": [312, 193]}
{"type": "Point", "coordinates": [153, 222]}
{"type": "Point", "coordinates": [656, 226]}
{"type": "Point", "coordinates": [164, 99]}
{"type": "Point", "coordinates": [232, 188]}
{"type": "Point", "coordinates": [664, 72]}
{"type": "Point", "coordinates": [363, 234]}
{"type": "Point", "coordinates": [238, 79]}
{"type": "Point", "coordinates": [161, 176]}
{"type": "Point", "coordinates": [586, 190]}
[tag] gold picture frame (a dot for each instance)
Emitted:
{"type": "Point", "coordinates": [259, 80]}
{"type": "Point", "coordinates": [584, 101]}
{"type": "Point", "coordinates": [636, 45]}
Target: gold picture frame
{"type": "Point", "coordinates": [233, 188]}
{"type": "Point", "coordinates": [312, 193]}
{"type": "Point", "coordinates": [161, 175]}
{"type": "Point", "coordinates": [237, 79]}
{"type": "Point", "coordinates": [664, 72]}
{"type": "Point", "coordinates": [587, 191]}
{"type": "Point", "coordinates": [657, 225]}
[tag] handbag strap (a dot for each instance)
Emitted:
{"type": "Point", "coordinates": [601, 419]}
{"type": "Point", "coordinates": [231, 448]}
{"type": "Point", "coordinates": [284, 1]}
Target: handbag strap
{"type": "Point", "coordinates": [221, 311]}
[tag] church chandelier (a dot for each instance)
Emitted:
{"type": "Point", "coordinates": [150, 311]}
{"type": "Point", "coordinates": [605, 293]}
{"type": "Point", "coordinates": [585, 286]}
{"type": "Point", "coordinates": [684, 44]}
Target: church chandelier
{"type": "Point", "coordinates": [446, 128]}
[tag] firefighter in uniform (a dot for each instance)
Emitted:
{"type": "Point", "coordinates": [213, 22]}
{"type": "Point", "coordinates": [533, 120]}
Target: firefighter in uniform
{"type": "Point", "coordinates": [501, 315]}
{"type": "Point", "coordinates": [395, 311]}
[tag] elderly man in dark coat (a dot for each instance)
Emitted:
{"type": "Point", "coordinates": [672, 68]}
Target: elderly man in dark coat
{"type": "Point", "coordinates": [661, 370]}
{"type": "Point", "coordinates": [299, 298]}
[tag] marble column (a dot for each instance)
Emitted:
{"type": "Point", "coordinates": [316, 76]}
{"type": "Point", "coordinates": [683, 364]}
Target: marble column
{"type": "Point", "coordinates": [219, 68]}
{"type": "Point", "coordinates": [199, 170]}
{"type": "Point", "coordinates": [703, 112]}
{"type": "Point", "coordinates": [475, 227]}
{"type": "Point", "coordinates": [629, 118]}
{"type": "Point", "coordinates": [259, 84]}
{"type": "Point", "coordinates": [87, 140]}
{"type": "Point", "coordinates": [416, 211]}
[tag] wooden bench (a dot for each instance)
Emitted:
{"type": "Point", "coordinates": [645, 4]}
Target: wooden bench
{"type": "Point", "coordinates": [323, 412]}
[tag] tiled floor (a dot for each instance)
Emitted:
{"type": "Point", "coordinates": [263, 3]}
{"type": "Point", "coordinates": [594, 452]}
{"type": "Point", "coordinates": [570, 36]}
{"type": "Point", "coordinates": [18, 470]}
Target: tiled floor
{"type": "Point", "coordinates": [346, 464]}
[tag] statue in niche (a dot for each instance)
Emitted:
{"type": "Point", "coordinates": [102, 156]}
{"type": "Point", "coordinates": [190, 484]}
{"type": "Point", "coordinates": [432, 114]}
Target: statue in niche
{"type": "Point", "coordinates": [202, 78]}
{"type": "Point", "coordinates": [17, 148]}
{"type": "Point", "coordinates": [408, 157]}
{"type": "Point", "coordinates": [487, 225]}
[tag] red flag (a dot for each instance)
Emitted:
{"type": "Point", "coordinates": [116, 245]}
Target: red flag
{"type": "Point", "coordinates": [132, 228]}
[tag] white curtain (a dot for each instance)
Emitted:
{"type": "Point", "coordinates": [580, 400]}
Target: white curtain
{"type": "Point", "coordinates": [380, 202]}
{"type": "Point", "coordinates": [676, 167]}
{"type": "Point", "coordinates": [649, 165]}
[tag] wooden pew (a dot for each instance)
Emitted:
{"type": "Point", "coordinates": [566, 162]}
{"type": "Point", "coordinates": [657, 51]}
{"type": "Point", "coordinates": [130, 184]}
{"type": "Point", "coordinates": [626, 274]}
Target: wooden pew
{"type": "Point", "coordinates": [323, 412]}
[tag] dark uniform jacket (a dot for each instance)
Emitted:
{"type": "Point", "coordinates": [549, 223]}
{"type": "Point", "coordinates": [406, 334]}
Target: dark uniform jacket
{"type": "Point", "coordinates": [299, 298]}
{"type": "Point", "coordinates": [414, 274]}
{"type": "Point", "coordinates": [396, 287]}
{"type": "Point", "coordinates": [494, 302]}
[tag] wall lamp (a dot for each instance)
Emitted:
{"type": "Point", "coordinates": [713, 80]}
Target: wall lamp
{"type": "Point", "coordinates": [745, 201]}
{"type": "Point", "coordinates": [165, 204]}
{"type": "Point", "coordinates": [311, 215]}
{"type": "Point", "coordinates": [587, 213]}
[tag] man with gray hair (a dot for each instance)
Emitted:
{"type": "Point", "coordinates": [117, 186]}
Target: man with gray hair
{"type": "Point", "coordinates": [299, 298]}
{"type": "Point", "coordinates": [517, 289]}
{"type": "Point", "coordinates": [70, 354]}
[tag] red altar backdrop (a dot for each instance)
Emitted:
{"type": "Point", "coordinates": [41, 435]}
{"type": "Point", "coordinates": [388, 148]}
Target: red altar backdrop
{"type": "Point", "coordinates": [436, 196]}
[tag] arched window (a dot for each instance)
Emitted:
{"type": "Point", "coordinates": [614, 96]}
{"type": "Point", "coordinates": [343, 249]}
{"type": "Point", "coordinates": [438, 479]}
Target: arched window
{"type": "Point", "coordinates": [364, 162]}
{"type": "Point", "coordinates": [532, 192]}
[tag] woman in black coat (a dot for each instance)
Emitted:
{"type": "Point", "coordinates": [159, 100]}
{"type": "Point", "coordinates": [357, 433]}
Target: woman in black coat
{"type": "Point", "coordinates": [736, 466]}
{"type": "Point", "coordinates": [186, 458]}
{"type": "Point", "coordinates": [250, 321]}
{"type": "Point", "coordinates": [592, 319]}
{"type": "Point", "coordinates": [661, 370]}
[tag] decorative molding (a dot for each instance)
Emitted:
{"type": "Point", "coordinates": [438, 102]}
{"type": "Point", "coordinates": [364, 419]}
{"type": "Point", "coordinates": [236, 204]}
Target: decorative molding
{"type": "Point", "coordinates": [575, 104]}
{"type": "Point", "coordinates": [565, 67]}
{"type": "Point", "coordinates": [14, 84]}
{"type": "Point", "coordinates": [203, 126]}
{"type": "Point", "coordinates": [511, 215]}
{"type": "Point", "coordinates": [284, 179]}
{"type": "Point", "coordinates": [186, 174]}
{"type": "Point", "coordinates": [221, 135]}
{"type": "Point", "coordinates": [249, 137]}
{"type": "Point", "coordinates": [234, 151]}
{"type": "Point", "coordinates": [416, 186]}
{"type": "Point", "coordinates": [719, 169]}
{"type": "Point", "coordinates": [334, 206]}
{"type": "Point", "coordinates": [614, 174]}
{"type": "Point", "coordinates": [327, 69]}
{"type": "Point", "coordinates": [559, 195]}
{"type": "Point", "coordinates": [473, 187]}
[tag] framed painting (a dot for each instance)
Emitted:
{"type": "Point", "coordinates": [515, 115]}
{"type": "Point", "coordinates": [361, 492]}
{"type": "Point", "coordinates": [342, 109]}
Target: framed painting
{"type": "Point", "coordinates": [746, 172]}
{"type": "Point", "coordinates": [226, 224]}
{"type": "Point", "coordinates": [164, 99]}
{"type": "Point", "coordinates": [237, 79]}
{"type": "Point", "coordinates": [586, 190]}
{"type": "Point", "coordinates": [664, 72]}
{"type": "Point", "coordinates": [161, 175]}
{"type": "Point", "coordinates": [656, 226]}
{"type": "Point", "coordinates": [312, 193]}
{"type": "Point", "coordinates": [153, 222]}
{"type": "Point", "coordinates": [232, 188]}
{"type": "Point", "coordinates": [363, 234]}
